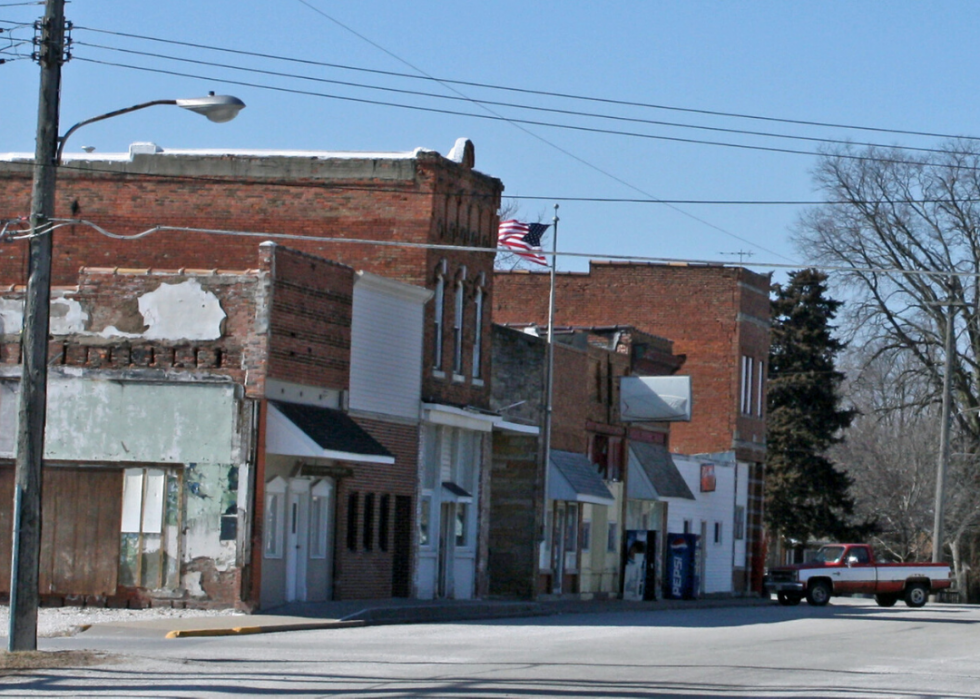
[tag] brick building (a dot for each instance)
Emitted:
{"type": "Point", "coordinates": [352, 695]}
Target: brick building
{"type": "Point", "coordinates": [177, 404]}
{"type": "Point", "coordinates": [587, 503]}
{"type": "Point", "coordinates": [717, 317]}
{"type": "Point", "coordinates": [364, 210]}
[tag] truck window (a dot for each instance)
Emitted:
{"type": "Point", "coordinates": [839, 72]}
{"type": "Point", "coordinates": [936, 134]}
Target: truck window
{"type": "Point", "coordinates": [829, 554]}
{"type": "Point", "coordinates": [860, 555]}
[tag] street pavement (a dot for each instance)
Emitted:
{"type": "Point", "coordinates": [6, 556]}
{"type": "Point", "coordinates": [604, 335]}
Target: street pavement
{"type": "Point", "coordinates": [713, 648]}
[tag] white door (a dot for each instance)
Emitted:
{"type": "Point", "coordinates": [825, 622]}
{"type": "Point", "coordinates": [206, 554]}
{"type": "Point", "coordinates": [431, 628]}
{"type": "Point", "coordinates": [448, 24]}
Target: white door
{"type": "Point", "coordinates": [297, 539]}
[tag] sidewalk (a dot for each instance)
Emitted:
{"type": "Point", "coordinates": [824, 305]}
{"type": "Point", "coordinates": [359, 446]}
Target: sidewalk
{"type": "Point", "coordinates": [301, 616]}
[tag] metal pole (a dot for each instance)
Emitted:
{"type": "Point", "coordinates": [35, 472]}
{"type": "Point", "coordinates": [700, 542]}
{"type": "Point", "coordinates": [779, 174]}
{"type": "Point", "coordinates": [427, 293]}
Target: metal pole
{"type": "Point", "coordinates": [937, 522]}
{"type": "Point", "coordinates": [549, 387]}
{"type": "Point", "coordinates": [34, 344]}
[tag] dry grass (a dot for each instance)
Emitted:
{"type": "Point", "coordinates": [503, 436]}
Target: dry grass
{"type": "Point", "coordinates": [50, 660]}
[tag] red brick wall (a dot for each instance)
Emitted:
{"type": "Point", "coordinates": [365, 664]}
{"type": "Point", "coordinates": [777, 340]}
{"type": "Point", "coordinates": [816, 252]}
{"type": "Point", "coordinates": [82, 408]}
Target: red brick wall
{"type": "Point", "coordinates": [698, 307]}
{"type": "Point", "coordinates": [309, 328]}
{"type": "Point", "coordinates": [110, 298]}
{"type": "Point", "coordinates": [424, 200]}
{"type": "Point", "coordinates": [363, 574]}
{"type": "Point", "coordinates": [570, 400]}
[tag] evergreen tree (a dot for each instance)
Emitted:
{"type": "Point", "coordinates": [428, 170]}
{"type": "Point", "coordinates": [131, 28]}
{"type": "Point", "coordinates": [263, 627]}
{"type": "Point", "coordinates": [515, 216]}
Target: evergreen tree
{"type": "Point", "coordinates": [806, 496]}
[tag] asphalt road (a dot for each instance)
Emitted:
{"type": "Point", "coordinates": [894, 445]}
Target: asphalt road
{"type": "Point", "coordinates": [849, 649]}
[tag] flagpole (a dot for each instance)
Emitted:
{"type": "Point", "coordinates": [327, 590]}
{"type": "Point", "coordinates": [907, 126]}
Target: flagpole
{"type": "Point", "coordinates": [550, 382]}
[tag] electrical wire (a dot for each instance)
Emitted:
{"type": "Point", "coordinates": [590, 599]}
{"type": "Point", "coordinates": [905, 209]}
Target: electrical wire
{"type": "Point", "coordinates": [89, 168]}
{"type": "Point", "coordinates": [513, 105]}
{"type": "Point", "coordinates": [543, 93]}
{"type": "Point", "coordinates": [60, 222]}
{"type": "Point", "coordinates": [491, 117]}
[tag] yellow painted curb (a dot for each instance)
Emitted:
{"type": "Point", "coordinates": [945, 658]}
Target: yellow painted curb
{"type": "Point", "coordinates": [274, 628]}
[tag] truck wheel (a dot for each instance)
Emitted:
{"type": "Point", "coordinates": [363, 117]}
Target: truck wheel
{"type": "Point", "coordinates": [787, 600]}
{"type": "Point", "coordinates": [886, 600]}
{"type": "Point", "coordinates": [818, 594]}
{"type": "Point", "coordinates": [916, 595]}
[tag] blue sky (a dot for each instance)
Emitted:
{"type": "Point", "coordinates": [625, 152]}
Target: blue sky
{"type": "Point", "coordinates": [906, 66]}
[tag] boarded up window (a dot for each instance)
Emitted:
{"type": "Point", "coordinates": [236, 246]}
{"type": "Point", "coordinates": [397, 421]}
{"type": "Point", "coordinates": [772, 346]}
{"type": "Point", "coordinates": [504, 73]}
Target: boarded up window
{"type": "Point", "coordinates": [149, 528]}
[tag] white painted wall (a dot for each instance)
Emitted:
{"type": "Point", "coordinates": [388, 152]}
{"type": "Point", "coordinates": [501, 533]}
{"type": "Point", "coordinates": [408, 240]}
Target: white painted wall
{"type": "Point", "coordinates": [386, 346]}
{"type": "Point", "coordinates": [713, 507]}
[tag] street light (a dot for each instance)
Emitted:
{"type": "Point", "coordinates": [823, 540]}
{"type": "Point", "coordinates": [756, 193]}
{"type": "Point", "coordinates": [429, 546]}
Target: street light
{"type": "Point", "coordinates": [217, 108]}
{"type": "Point", "coordinates": [34, 337]}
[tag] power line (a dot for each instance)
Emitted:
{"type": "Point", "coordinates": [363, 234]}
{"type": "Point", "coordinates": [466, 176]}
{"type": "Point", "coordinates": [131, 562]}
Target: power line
{"type": "Point", "coordinates": [60, 222]}
{"type": "Point", "coordinates": [518, 124]}
{"type": "Point", "coordinates": [543, 93]}
{"type": "Point", "coordinates": [571, 127]}
{"type": "Point", "coordinates": [513, 105]}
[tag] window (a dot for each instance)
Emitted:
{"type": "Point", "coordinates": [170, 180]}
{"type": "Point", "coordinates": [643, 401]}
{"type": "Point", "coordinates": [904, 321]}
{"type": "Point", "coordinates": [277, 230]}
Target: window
{"type": "Point", "coordinates": [458, 329]}
{"type": "Point", "coordinates": [461, 528]}
{"type": "Point", "coordinates": [478, 330]}
{"type": "Point", "coordinates": [368, 538]}
{"type": "Point", "coordinates": [432, 445]}
{"type": "Point", "coordinates": [275, 495]}
{"type": "Point", "coordinates": [383, 514]}
{"type": "Point", "coordinates": [352, 506]}
{"type": "Point", "coordinates": [424, 535]}
{"type": "Point", "coordinates": [465, 455]}
{"type": "Point", "coordinates": [320, 519]}
{"type": "Point", "coordinates": [717, 532]}
{"type": "Point", "coordinates": [739, 522]}
{"type": "Point", "coordinates": [760, 388]}
{"type": "Point", "coordinates": [612, 537]}
{"type": "Point", "coordinates": [688, 524]}
{"type": "Point", "coordinates": [747, 385]}
{"type": "Point", "coordinates": [571, 528]}
{"type": "Point", "coordinates": [586, 535]}
{"type": "Point", "coordinates": [439, 311]}
{"type": "Point", "coordinates": [606, 455]}
{"type": "Point", "coordinates": [148, 527]}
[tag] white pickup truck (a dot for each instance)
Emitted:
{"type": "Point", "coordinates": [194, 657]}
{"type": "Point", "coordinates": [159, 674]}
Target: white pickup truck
{"type": "Point", "coordinates": [850, 569]}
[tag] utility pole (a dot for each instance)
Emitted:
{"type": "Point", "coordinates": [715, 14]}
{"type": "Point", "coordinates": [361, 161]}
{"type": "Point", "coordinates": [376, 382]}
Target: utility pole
{"type": "Point", "coordinates": [34, 342]}
{"type": "Point", "coordinates": [937, 522]}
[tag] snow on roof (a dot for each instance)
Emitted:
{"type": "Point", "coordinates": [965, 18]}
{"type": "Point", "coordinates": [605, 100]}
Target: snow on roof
{"type": "Point", "coordinates": [153, 149]}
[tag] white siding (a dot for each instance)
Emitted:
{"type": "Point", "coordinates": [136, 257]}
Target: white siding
{"type": "Point", "coordinates": [717, 506]}
{"type": "Point", "coordinates": [386, 351]}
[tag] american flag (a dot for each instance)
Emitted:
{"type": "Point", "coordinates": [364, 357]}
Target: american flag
{"type": "Point", "coordinates": [523, 239]}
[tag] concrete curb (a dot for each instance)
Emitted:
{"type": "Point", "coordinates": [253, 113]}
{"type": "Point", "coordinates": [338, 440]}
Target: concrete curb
{"type": "Point", "coordinates": [478, 611]}
{"type": "Point", "coordinates": [271, 628]}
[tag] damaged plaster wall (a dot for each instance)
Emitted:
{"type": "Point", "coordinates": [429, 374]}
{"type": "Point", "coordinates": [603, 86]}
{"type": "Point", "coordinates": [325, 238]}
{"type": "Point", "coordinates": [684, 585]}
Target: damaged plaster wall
{"type": "Point", "coordinates": [211, 491]}
{"type": "Point", "coordinates": [101, 420]}
{"type": "Point", "coordinates": [181, 311]}
{"type": "Point", "coordinates": [173, 312]}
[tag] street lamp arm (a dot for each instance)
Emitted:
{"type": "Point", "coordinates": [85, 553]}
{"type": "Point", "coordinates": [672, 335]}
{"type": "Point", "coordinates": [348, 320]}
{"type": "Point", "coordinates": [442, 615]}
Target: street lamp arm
{"type": "Point", "coordinates": [217, 108]}
{"type": "Point", "coordinates": [108, 115]}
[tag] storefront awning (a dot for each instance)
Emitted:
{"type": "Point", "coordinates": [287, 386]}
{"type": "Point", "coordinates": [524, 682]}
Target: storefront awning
{"type": "Point", "coordinates": [454, 493]}
{"type": "Point", "coordinates": [572, 477]}
{"type": "Point", "coordinates": [323, 433]}
{"type": "Point", "coordinates": [653, 475]}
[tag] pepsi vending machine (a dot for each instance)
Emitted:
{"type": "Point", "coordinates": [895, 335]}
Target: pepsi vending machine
{"type": "Point", "coordinates": [681, 578]}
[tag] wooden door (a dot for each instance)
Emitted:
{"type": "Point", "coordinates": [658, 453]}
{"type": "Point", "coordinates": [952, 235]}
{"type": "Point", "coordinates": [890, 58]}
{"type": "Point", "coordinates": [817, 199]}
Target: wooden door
{"type": "Point", "coordinates": [81, 514]}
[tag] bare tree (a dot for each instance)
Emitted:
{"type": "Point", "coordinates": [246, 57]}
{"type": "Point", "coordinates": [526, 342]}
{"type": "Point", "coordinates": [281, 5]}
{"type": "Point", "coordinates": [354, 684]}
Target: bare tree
{"type": "Point", "coordinates": [890, 455]}
{"type": "Point", "coordinates": [903, 233]}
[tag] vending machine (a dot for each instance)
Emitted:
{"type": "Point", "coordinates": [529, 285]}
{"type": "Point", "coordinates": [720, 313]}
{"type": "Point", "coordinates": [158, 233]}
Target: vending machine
{"type": "Point", "coordinates": [681, 577]}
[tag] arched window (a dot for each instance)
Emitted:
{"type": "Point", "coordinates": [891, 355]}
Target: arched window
{"type": "Point", "coordinates": [458, 329]}
{"type": "Point", "coordinates": [439, 312]}
{"type": "Point", "coordinates": [478, 326]}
